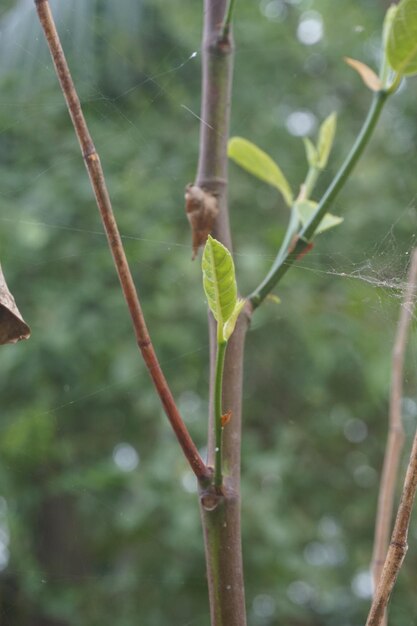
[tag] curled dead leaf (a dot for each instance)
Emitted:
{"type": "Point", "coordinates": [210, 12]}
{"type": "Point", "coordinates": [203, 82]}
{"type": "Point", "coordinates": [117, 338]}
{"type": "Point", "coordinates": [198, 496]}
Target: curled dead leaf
{"type": "Point", "coordinates": [202, 209]}
{"type": "Point", "coordinates": [13, 328]}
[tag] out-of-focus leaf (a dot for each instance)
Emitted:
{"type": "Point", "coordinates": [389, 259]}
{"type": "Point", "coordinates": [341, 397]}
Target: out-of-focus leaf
{"type": "Point", "coordinates": [259, 164]}
{"type": "Point", "coordinates": [311, 152]}
{"type": "Point", "coordinates": [402, 39]}
{"type": "Point", "coordinates": [388, 21]}
{"type": "Point", "coordinates": [305, 210]}
{"type": "Point", "coordinates": [273, 298]}
{"type": "Point", "coordinates": [367, 74]}
{"type": "Point", "coordinates": [325, 141]}
{"type": "Point", "coordinates": [220, 287]}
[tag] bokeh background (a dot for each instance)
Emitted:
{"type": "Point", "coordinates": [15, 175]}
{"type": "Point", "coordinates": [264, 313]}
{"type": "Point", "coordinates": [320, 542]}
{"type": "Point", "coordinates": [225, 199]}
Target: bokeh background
{"type": "Point", "coordinates": [99, 521]}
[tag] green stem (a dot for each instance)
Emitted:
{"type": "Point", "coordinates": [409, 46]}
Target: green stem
{"type": "Point", "coordinates": [307, 188]}
{"type": "Point", "coordinates": [289, 235]}
{"type": "Point", "coordinates": [281, 266]}
{"type": "Point", "coordinates": [228, 20]}
{"type": "Point", "coordinates": [218, 473]}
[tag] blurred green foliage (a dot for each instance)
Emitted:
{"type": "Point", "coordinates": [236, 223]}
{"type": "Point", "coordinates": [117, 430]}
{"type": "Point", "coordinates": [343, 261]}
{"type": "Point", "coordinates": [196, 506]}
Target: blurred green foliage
{"type": "Point", "coordinates": [82, 539]}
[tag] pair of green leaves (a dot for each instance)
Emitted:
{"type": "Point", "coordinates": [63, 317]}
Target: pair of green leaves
{"type": "Point", "coordinates": [399, 48]}
{"type": "Point", "coordinates": [220, 287]}
{"type": "Point", "coordinates": [307, 208]}
{"type": "Point", "coordinates": [260, 164]}
{"type": "Point", "coordinates": [317, 156]}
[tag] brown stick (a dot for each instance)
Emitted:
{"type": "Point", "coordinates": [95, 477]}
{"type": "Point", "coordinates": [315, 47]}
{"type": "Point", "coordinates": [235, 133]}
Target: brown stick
{"type": "Point", "coordinates": [396, 433]}
{"type": "Point", "coordinates": [398, 546]}
{"type": "Point", "coordinates": [98, 184]}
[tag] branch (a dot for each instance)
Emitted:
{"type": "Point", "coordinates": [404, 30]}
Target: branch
{"type": "Point", "coordinates": [396, 433]}
{"type": "Point", "coordinates": [227, 21]}
{"type": "Point", "coordinates": [398, 546]}
{"type": "Point", "coordinates": [221, 514]}
{"type": "Point", "coordinates": [281, 265]}
{"type": "Point", "coordinates": [98, 184]}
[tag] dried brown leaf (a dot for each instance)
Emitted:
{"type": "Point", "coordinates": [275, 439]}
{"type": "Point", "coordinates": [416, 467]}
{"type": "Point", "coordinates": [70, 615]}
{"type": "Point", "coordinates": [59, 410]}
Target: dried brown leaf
{"type": "Point", "coordinates": [367, 74]}
{"type": "Point", "coordinates": [202, 209]}
{"type": "Point", "coordinates": [12, 326]}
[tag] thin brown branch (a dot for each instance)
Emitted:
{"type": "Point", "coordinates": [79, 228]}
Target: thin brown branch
{"type": "Point", "coordinates": [98, 184]}
{"type": "Point", "coordinates": [398, 545]}
{"type": "Point", "coordinates": [395, 439]}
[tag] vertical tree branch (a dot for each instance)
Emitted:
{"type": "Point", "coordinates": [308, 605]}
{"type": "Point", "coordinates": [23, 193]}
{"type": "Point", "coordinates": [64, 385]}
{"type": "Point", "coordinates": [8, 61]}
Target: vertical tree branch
{"type": "Point", "coordinates": [398, 546]}
{"type": "Point", "coordinates": [98, 184]}
{"type": "Point", "coordinates": [396, 433]}
{"type": "Point", "coordinates": [221, 514]}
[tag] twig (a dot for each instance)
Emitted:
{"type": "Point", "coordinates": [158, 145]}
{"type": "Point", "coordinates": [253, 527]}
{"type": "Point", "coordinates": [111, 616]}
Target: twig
{"type": "Point", "coordinates": [396, 433]}
{"type": "Point", "coordinates": [398, 546]}
{"type": "Point", "coordinates": [227, 20]}
{"type": "Point", "coordinates": [282, 264]}
{"type": "Point", "coordinates": [98, 184]}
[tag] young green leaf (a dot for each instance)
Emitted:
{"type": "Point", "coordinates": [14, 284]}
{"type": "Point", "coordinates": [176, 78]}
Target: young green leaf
{"type": "Point", "coordinates": [305, 210]}
{"type": "Point", "coordinates": [326, 136]}
{"type": "Point", "coordinates": [220, 287]}
{"type": "Point", "coordinates": [402, 39]}
{"type": "Point", "coordinates": [367, 74]}
{"type": "Point", "coordinates": [388, 21]}
{"type": "Point", "coordinates": [229, 326]}
{"type": "Point", "coordinates": [311, 152]}
{"type": "Point", "coordinates": [259, 164]}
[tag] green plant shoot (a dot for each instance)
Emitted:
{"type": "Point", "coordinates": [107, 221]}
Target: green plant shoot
{"type": "Point", "coordinates": [220, 287]}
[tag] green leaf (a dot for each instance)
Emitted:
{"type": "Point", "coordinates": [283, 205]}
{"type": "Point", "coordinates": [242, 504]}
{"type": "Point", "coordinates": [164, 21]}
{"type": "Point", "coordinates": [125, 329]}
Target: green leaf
{"type": "Point", "coordinates": [311, 152]}
{"type": "Point", "coordinates": [229, 326]}
{"type": "Point", "coordinates": [326, 136]}
{"type": "Point", "coordinates": [388, 21]}
{"type": "Point", "coordinates": [402, 39]}
{"type": "Point", "coordinates": [220, 287]}
{"type": "Point", "coordinates": [306, 209]}
{"type": "Point", "coordinates": [273, 298]}
{"type": "Point", "coordinates": [259, 164]}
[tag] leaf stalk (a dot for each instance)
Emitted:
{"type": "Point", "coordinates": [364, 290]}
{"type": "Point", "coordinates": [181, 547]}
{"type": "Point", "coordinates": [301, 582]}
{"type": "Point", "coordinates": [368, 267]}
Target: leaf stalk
{"type": "Point", "coordinates": [218, 393]}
